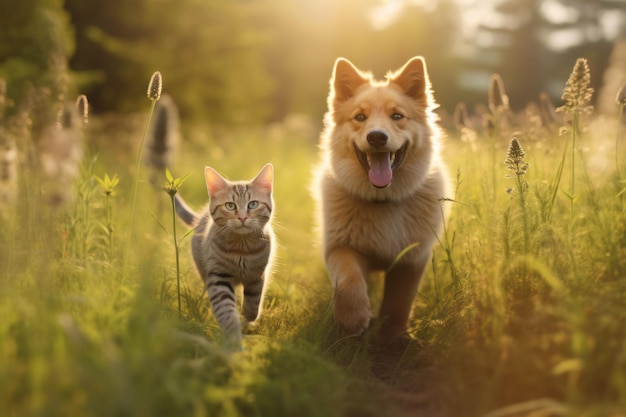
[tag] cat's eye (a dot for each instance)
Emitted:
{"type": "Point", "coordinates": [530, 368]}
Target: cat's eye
{"type": "Point", "coordinates": [230, 206]}
{"type": "Point", "coordinates": [253, 204]}
{"type": "Point", "coordinates": [397, 116]}
{"type": "Point", "coordinates": [360, 117]}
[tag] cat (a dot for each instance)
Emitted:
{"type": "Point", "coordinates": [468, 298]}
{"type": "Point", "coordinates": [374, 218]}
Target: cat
{"type": "Point", "coordinates": [233, 245]}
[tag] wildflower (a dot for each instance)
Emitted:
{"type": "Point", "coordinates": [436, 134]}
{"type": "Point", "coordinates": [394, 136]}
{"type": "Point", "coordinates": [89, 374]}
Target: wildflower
{"type": "Point", "coordinates": [171, 188]}
{"type": "Point", "coordinates": [498, 100]}
{"type": "Point", "coordinates": [172, 184]}
{"type": "Point", "coordinates": [108, 184]}
{"type": "Point", "coordinates": [155, 86]}
{"type": "Point", "coordinates": [515, 158]}
{"type": "Point", "coordinates": [577, 93]}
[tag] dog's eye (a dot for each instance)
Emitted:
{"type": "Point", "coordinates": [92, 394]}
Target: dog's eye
{"type": "Point", "coordinates": [360, 117]}
{"type": "Point", "coordinates": [397, 116]}
{"type": "Point", "coordinates": [230, 206]}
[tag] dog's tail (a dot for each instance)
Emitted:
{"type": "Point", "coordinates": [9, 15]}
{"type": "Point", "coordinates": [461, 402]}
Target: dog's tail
{"type": "Point", "coordinates": [185, 213]}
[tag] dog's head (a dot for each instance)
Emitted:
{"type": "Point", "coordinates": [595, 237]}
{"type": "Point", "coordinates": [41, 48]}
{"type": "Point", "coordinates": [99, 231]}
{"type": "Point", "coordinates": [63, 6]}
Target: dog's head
{"type": "Point", "coordinates": [381, 126]}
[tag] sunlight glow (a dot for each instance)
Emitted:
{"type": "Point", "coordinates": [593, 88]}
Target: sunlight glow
{"type": "Point", "coordinates": [479, 19]}
{"type": "Point", "coordinates": [558, 13]}
{"type": "Point", "coordinates": [563, 39]}
{"type": "Point", "coordinates": [386, 14]}
{"type": "Point", "coordinates": [389, 11]}
{"type": "Point", "coordinates": [613, 23]}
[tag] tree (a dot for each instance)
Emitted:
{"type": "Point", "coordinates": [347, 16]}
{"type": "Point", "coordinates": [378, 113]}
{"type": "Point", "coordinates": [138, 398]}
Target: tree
{"type": "Point", "coordinates": [35, 43]}
{"type": "Point", "coordinates": [208, 51]}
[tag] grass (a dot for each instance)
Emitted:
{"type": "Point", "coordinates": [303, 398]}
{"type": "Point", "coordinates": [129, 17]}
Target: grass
{"type": "Point", "coordinates": [516, 315]}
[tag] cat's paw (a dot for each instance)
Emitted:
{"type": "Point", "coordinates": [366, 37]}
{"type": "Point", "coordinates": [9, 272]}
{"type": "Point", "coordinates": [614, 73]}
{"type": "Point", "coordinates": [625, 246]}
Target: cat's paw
{"type": "Point", "coordinates": [352, 311]}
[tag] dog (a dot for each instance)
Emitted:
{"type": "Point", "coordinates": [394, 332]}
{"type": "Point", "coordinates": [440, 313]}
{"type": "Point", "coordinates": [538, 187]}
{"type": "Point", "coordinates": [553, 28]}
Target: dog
{"type": "Point", "coordinates": [381, 189]}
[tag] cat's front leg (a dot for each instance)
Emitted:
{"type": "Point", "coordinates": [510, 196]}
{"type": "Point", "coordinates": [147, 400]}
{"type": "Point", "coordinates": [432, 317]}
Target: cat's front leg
{"type": "Point", "coordinates": [253, 298]}
{"type": "Point", "coordinates": [348, 271]}
{"type": "Point", "coordinates": [222, 298]}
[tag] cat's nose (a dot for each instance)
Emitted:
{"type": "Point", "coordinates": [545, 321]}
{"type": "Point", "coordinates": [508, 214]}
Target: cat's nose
{"type": "Point", "coordinates": [242, 218]}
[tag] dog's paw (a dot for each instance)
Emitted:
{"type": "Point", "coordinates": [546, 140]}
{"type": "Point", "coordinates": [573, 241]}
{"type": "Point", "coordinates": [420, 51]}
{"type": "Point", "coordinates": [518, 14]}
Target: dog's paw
{"type": "Point", "coordinates": [352, 312]}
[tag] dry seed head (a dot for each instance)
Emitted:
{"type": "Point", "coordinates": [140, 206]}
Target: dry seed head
{"type": "Point", "coordinates": [155, 86]}
{"type": "Point", "coordinates": [498, 100]}
{"type": "Point", "coordinates": [621, 95]}
{"type": "Point", "coordinates": [461, 117]}
{"type": "Point", "coordinates": [577, 93]}
{"type": "Point", "coordinates": [82, 106]}
{"type": "Point", "coordinates": [515, 158]}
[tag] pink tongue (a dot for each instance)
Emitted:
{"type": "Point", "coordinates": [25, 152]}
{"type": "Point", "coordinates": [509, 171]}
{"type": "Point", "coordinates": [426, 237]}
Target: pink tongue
{"type": "Point", "coordinates": [380, 173]}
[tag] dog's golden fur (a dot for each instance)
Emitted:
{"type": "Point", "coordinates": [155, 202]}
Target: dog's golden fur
{"type": "Point", "coordinates": [379, 188]}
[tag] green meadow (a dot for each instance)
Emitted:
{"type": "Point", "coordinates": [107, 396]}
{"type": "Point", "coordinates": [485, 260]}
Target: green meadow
{"type": "Point", "coordinates": [521, 313]}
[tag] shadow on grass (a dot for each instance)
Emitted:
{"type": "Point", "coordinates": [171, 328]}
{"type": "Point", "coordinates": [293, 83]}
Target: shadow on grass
{"type": "Point", "coordinates": [401, 374]}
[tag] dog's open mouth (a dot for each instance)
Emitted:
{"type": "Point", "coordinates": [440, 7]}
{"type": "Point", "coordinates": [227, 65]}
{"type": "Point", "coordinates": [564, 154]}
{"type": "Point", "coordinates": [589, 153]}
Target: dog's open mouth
{"type": "Point", "coordinates": [380, 165]}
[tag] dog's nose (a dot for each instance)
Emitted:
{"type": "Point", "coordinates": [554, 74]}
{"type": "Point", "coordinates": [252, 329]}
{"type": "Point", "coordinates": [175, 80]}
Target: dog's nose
{"type": "Point", "coordinates": [377, 138]}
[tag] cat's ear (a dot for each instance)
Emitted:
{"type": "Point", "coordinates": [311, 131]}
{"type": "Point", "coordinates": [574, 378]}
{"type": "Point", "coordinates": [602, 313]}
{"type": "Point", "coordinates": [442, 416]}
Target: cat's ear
{"type": "Point", "coordinates": [214, 181]}
{"type": "Point", "coordinates": [265, 178]}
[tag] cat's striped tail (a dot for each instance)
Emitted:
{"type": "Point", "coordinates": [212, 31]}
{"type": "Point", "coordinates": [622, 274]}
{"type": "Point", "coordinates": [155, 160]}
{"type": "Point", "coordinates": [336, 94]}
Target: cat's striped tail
{"type": "Point", "coordinates": [185, 213]}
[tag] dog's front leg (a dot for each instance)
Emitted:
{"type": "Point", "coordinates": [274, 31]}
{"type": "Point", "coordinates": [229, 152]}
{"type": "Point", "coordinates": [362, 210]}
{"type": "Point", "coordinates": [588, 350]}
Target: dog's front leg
{"type": "Point", "coordinates": [348, 271]}
{"type": "Point", "coordinates": [401, 284]}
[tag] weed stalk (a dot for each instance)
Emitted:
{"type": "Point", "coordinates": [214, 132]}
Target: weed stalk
{"type": "Point", "coordinates": [621, 101]}
{"type": "Point", "coordinates": [577, 95]}
{"type": "Point", "coordinates": [154, 93]}
{"type": "Point", "coordinates": [171, 188]}
{"type": "Point", "coordinates": [516, 163]}
{"type": "Point", "coordinates": [107, 185]}
{"type": "Point", "coordinates": [498, 102]}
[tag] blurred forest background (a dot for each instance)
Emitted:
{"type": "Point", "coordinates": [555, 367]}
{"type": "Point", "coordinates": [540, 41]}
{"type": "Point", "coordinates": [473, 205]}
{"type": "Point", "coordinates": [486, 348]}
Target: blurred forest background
{"type": "Point", "coordinates": [251, 61]}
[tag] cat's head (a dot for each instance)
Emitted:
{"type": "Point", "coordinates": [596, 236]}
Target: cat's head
{"type": "Point", "coordinates": [243, 206]}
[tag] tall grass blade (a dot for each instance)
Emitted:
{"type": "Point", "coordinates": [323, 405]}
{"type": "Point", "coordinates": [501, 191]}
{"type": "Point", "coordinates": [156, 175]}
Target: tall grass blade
{"type": "Point", "coordinates": [401, 255]}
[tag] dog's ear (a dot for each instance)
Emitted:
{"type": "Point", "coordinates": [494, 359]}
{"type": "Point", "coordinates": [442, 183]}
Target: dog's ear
{"type": "Point", "coordinates": [413, 78]}
{"type": "Point", "coordinates": [345, 81]}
